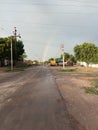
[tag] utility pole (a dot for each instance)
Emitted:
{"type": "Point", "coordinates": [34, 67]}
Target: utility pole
{"type": "Point", "coordinates": [62, 48]}
{"type": "Point", "coordinates": [15, 33]}
{"type": "Point", "coordinates": [15, 36]}
{"type": "Point", "coordinates": [11, 55]}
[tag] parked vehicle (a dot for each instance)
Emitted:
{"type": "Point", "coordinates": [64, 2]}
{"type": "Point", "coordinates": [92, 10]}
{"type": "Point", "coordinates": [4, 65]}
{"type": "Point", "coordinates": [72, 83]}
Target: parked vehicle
{"type": "Point", "coordinates": [53, 63]}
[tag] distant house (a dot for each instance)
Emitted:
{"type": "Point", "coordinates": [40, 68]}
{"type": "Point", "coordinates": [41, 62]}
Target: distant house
{"type": "Point", "coordinates": [89, 65]}
{"type": "Point", "coordinates": [82, 63]}
{"type": "Point", "coordinates": [93, 65]}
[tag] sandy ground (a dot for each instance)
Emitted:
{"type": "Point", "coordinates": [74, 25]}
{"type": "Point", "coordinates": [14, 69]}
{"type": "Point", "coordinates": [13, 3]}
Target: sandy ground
{"type": "Point", "coordinates": [30, 100]}
{"type": "Point", "coordinates": [29, 89]}
{"type": "Point", "coordinates": [10, 82]}
{"type": "Point", "coordinates": [82, 107]}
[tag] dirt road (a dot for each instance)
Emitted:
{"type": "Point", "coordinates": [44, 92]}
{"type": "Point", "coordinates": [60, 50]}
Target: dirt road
{"type": "Point", "coordinates": [83, 107]}
{"type": "Point", "coordinates": [30, 100]}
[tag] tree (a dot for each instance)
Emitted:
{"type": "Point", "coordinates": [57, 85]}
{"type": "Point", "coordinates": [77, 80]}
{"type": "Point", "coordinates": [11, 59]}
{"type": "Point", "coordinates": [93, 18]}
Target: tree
{"type": "Point", "coordinates": [72, 58]}
{"type": "Point", "coordinates": [23, 57]}
{"type": "Point", "coordinates": [19, 49]}
{"type": "Point", "coordinates": [57, 59]}
{"type": "Point", "coordinates": [68, 57]}
{"type": "Point", "coordinates": [86, 52]}
{"type": "Point", "coordinates": [50, 59]}
{"type": "Point", "coordinates": [5, 49]}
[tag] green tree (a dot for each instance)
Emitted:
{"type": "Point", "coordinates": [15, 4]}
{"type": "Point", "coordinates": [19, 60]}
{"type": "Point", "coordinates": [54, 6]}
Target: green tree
{"type": "Point", "coordinates": [72, 58]}
{"type": "Point", "coordinates": [20, 49]}
{"type": "Point", "coordinates": [50, 59]}
{"type": "Point", "coordinates": [23, 57]}
{"type": "Point", "coordinates": [87, 52]}
{"type": "Point", "coordinates": [68, 57]}
{"type": "Point", "coordinates": [57, 59]}
{"type": "Point", "coordinates": [5, 49]}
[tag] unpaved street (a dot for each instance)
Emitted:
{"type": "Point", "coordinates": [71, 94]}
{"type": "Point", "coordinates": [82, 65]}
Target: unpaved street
{"type": "Point", "coordinates": [82, 107]}
{"type": "Point", "coordinates": [30, 100]}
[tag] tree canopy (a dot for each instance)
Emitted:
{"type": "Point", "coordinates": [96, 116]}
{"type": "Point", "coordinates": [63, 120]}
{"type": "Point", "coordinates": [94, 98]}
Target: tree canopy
{"type": "Point", "coordinates": [68, 57]}
{"type": "Point", "coordinates": [5, 49]}
{"type": "Point", "coordinates": [86, 52]}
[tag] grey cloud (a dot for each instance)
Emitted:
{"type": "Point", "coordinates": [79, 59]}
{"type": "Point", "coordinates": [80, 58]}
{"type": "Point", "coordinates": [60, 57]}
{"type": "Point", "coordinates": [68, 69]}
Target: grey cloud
{"type": "Point", "coordinates": [51, 22]}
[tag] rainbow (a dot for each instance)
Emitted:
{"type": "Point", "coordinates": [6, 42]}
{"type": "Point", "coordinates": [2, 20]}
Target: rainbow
{"type": "Point", "coordinates": [45, 50]}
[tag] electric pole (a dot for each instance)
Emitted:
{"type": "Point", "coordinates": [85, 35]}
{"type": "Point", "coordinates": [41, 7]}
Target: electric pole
{"type": "Point", "coordinates": [15, 36]}
{"type": "Point", "coordinates": [62, 48]}
{"type": "Point", "coordinates": [11, 55]}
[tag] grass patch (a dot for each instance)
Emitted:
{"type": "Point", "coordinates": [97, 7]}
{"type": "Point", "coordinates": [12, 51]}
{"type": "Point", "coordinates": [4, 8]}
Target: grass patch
{"type": "Point", "coordinates": [15, 69]}
{"type": "Point", "coordinates": [94, 88]}
{"type": "Point", "coordinates": [78, 69]}
{"type": "Point", "coordinates": [95, 83]}
{"type": "Point", "coordinates": [67, 70]}
{"type": "Point", "coordinates": [91, 90]}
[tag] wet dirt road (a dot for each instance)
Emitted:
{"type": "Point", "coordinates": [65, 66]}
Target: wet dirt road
{"type": "Point", "coordinates": [82, 106]}
{"type": "Point", "coordinates": [30, 100]}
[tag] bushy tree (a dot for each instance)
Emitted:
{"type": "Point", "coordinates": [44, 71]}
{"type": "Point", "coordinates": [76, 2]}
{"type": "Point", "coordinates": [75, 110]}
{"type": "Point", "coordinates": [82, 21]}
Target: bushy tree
{"type": "Point", "coordinates": [68, 57]}
{"type": "Point", "coordinates": [87, 52]}
{"type": "Point", "coordinates": [19, 49]}
{"type": "Point", "coordinates": [5, 49]}
{"type": "Point", "coordinates": [50, 59]}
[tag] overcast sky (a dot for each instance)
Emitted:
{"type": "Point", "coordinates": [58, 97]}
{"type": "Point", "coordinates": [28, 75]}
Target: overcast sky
{"type": "Point", "coordinates": [46, 24]}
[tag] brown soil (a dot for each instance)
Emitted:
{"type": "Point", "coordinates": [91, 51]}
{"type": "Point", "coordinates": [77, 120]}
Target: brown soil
{"type": "Point", "coordinates": [82, 107]}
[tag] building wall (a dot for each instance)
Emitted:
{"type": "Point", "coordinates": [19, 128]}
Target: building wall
{"type": "Point", "coordinates": [90, 65]}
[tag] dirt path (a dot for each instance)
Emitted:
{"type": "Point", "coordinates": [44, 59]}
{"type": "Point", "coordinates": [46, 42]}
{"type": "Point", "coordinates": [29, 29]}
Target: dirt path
{"type": "Point", "coordinates": [32, 102]}
{"type": "Point", "coordinates": [83, 108]}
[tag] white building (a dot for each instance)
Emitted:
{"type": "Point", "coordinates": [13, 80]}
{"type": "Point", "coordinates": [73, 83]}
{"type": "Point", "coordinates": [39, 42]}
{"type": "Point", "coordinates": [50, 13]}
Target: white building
{"type": "Point", "coordinates": [90, 64]}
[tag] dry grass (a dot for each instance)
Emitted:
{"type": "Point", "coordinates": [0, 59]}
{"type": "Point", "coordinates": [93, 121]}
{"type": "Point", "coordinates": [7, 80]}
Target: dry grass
{"type": "Point", "coordinates": [87, 69]}
{"type": "Point", "coordinates": [79, 69]}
